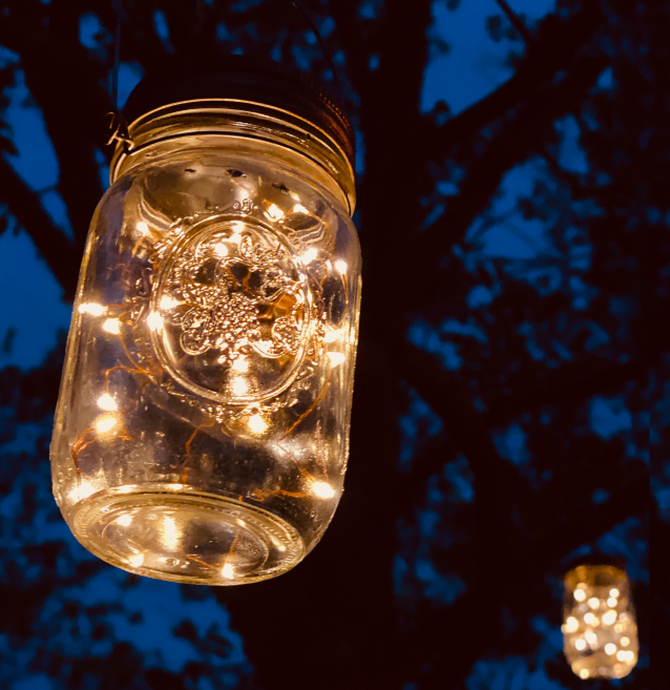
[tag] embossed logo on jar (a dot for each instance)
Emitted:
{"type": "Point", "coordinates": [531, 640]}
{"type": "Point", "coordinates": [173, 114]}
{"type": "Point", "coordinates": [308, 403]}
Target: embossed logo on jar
{"type": "Point", "coordinates": [231, 311]}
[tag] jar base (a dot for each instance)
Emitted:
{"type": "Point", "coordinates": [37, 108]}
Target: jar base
{"type": "Point", "coordinates": [191, 537]}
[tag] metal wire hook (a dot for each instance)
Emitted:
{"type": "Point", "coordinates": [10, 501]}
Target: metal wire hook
{"type": "Point", "coordinates": [114, 88]}
{"type": "Point", "coordinates": [117, 124]}
{"type": "Point", "coordinates": [119, 130]}
{"type": "Point", "coordinates": [302, 9]}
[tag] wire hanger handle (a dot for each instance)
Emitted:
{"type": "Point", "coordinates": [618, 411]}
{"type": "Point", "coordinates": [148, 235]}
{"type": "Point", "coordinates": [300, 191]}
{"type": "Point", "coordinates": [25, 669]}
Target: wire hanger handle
{"type": "Point", "coordinates": [302, 9]}
{"type": "Point", "coordinates": [117, 124]}
{"type": "Point", "coordinates": [118, 127]}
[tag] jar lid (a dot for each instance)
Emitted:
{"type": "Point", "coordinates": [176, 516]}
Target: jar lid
{"type": "Point", "coordinates": [239, 78]}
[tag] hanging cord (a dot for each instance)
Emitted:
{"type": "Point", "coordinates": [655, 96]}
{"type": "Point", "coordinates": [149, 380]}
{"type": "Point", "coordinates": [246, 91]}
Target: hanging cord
{"type": "Point", "coordinates": [117, 123]}
{"type": "Point", "coordinates": [302, 9]}
{"type": "Point", "coordinates": [114, 95]}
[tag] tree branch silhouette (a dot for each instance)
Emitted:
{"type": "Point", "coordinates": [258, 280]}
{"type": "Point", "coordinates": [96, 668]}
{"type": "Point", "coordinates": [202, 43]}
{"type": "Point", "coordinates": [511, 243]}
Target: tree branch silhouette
{"type": "Point", "coordinates": [74, 107]}
{"type": "Point", "coordinates": [515, 141]}
{"type": "Point", "coordinates": [516, 22]}
{"type": "Point", "coordinates": [57, 251]}
{"type": "Point", "coordinates": [557, 45]}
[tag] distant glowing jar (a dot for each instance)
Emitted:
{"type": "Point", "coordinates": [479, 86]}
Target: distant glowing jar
{"type": "Point", "coordinates": [599, 629]}
{"type": "Point", "coordinates": [202, 428]}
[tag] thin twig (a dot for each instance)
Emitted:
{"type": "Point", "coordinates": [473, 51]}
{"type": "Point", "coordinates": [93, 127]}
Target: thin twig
{"type": "Point", "coordinates": [516, 22]}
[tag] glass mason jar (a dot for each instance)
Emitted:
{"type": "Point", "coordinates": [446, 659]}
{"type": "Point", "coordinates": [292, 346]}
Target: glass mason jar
{"type": "Point", "coordinates": [202, 428]}
{"type": "Point", "coordinates": [599, 629]}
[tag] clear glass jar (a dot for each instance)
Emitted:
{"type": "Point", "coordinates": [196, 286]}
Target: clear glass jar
{"type": "Point", "coordinates": [599, 629]}
{"type": "Point", "coordinates": [202, 428]}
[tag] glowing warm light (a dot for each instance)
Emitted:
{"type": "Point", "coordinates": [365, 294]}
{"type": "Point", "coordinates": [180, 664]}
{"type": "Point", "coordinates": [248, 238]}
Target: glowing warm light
{"type": "Point", "coordinates": [257, 424]}
{"type": "Point", "coordinates": [310, 255]}
{"type": "Point", "coordinates": [322, 489]}
{"type": "Point", "coordinates": [169, 527]}
{"type": "Point", "coordinates": [136, 560]}
{"type": "Point", "coordinates": [332, 335]}
{"type": "Point", "coordinates": [598, 648]}
{"type": "Point", "coordinates": [107, 403]}
{"type": "Point", "coordinates": [105, 423]}
{"type": "Point", "coordinates": [336, 358]}
{"type": "Point", "coordinates": [112, 326]}
{"type": "Point", "coordinates": [584, 674]}
{"type": "Point", "coordinates": [240, 364]}
{"type": "Point", "coordinates": [341, 266]}
{"type": "Point", "coordinates": [609, 617]}
{"type": "Point", "coordinates": [228, 571]}
{"type": "Point", "coordinates": [154, 321]}
{"type": "Point", "coordinates": [571, 624]}
{"type": "Point", "coordinates": [124, 520]}
{"type": "Point", "coordinates": [84, 490]}
{"type": "Point", "coordinates": [275, 212]}
{"type": "Point", "coordinates": [92, 308]}
{"type": "Point", "coordinates": [168, 302]}
{"type": "Point", "coordinates": [589, 618]}
{"type": "Point", "coordinates": [220, 249]}
{"type": "Point", "coordinates": [171, 538]}
{"type": "Point", "coordinates": [142, 228]}
{"type": "Point", "coordinates": [239, 386]}
{"type": "Point", "coordinates": [299, 208]}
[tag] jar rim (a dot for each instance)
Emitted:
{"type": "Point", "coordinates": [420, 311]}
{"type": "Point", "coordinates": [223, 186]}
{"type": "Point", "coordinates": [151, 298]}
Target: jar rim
{"type": "Point", "coordinates": [238, 77]}
{"type": "Point", "coordinates": [227, 118]}
{"type": "Point", "coordinates": [593, 574]}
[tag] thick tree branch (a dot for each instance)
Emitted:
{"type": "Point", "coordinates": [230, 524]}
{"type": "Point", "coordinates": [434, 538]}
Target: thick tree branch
{"type": "Point", "coordinates": [516, 140]}
{"type": "Point", "coordinates": [556, 46]}
{"type": "Point", "coordinates": [391, 125]}
{"type": "Point", "coordinates": [58, 253]}
{"type": "Point", "coordinates": [70, 79]}
{"type": "Point", "coordinates": [79, 179]}
{"type": "Point", "coordinates": [355, 40]}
